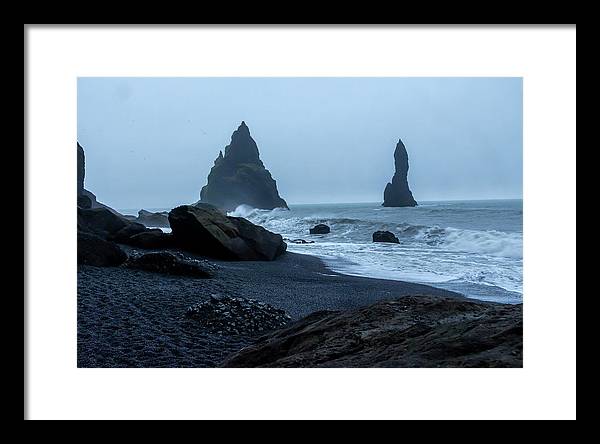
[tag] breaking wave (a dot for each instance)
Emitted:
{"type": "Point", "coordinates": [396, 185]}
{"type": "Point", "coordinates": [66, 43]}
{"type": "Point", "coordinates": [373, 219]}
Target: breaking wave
{"type": "Point", "coordinates": [488, 242]}
{"type": "Point", "coordinates": [461, 249]}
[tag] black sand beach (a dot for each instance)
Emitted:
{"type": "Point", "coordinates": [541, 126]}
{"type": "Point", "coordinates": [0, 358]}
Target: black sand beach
{"type": "Point", "coordinates": [134, 318]}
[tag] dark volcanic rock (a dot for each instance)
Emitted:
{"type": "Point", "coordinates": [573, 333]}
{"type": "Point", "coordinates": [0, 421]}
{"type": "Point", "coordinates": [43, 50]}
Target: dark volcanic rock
{"type": "Point", "coordinates": [234, 316]}
{"type": "Point", "coordinates": [151, 219]}
{"type": "Point", "coordinates": [168, 263]}
{"type": "Point", "coordinates": [113, 227]}
{"type": "Point", "coordinates": [299, 241]}
{"type": "Point", "coordinates": [85, 198]}
{"type": "Point", "coordinates": [83, 195]}
{"type": "Point", "coordinates": [80, 169]}
{"type": "Point", "coordinates": [152, 240]}
{"type": "Point", "coordinates": [93, 250]}
{"type": "Point", "coordinates": [265, 244]}
{"type": "Point", "coordinates": [203, 229]}
{"type": "Point", "coordinates": [84, 201]}
{"type": "Point", "coordinates": [239, 177]}
{"type": "Point", "coordinates": [412, 331]}
{"type": "Point", "coordinates": [385, 236]}
{"type": "Point", "coordinates": [320, 229]}
{"type": "Point", "coordinates": [100, 221]}
{"type": "Point", "coordinates": [124, 234]}
{"type": "Point", "coordinates": [397, 193]}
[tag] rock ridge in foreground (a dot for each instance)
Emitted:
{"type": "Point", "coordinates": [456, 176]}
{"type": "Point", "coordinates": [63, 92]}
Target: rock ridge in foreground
{"type": "Point", "coordinates": [411, 331]}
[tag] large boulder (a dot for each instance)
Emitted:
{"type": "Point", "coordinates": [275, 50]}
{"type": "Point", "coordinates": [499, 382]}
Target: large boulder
{"type": "Point", "coordinates": [240, 177]}
{"type": "Point", "coordinates": [397, 193]}
{"type": "Point", "coordinates": [385, 236]}
{"type": "Point", "coordinates": [412, 331]}
{"type": "Point", "coordinates": [320, 229]}
{"type": "Point", "coordinates": [152, 240]}
{"type": "Point", "coordinates": [204, 229]}
{"type": "Point", "coordinates": [124, 234]}
{"type": "Point", "coordinates": [265, 244]}
{"type": "Point", "coordinates": [93, 250]}
{"type": "Point", "coordinates": [100, 221]}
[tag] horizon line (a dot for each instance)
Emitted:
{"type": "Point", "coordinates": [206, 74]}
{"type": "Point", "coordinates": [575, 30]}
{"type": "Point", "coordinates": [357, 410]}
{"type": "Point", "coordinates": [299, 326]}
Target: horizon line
{"type": "Point", "coordinates": [355, 202]}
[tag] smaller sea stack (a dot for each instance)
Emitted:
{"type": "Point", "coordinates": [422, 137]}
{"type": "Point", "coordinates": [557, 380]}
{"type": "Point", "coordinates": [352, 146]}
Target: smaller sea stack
{"type": "Point", "coordinates": [397, 193]}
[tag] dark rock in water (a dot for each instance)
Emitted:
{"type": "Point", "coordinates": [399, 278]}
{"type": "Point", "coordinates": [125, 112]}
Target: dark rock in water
{"type": "Point", "coordinates": [168, 263]}
{"type": "Point", "coordinates": [385, 236]}
{"type": "Point", "coordinates": [234, 316]}
{"type": "Point", "coordinates": [412, 331]}
{"type": "Point", "coordinates": [84, 201]}
{"type": "Point", "coordinates": [152, 240]}
{"type": "Point", "coordinates": [151, 219]}
{"type": "Point", "coordinates": [239, 177]}
{"type": "Point", "coordinates": [203, 229]}
{"type": "Point", "coordinates": [320, 229]}
{"type": "Point", "coordinates": [397, 193]}
{"type": "Point", "coordinates": [93, 250]}
{"type": "Point", "coordinates": [299, 241]}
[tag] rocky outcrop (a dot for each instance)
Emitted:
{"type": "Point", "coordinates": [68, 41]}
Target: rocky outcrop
{"type": "Point", "coordinates": [112, 227]}
{"type": "Point", "coordinates": [239, 177]}
{"type": "Point", "coordinates": [103, 222]}
{"type": "Point", "coordinates": [234, 316]}
{"type": "Point", "coordinates": [320, 229]}
{"type": "Point", "coordinates": [385, 236]}
{"type": "Point", "coordinates": [412, 331]}
{"type": "Point", "coordinates": [80, 169]}
{"type": "Point", "coordinates": [150, 219]}
{"type": "Point", "coordinates": [85, 198]}
{"type": "Point", "coordinates": [125, 233]}
{"type": "Point", "coordinates": [205, 230]}
{"type": "Point", "coordinates": [94, 250]}
{"type": "Point", "coordinates": [397, 193]}
{"type": "Point", "coordinates": [84, 201]}
{"type": "Point", "coordinates": [168, 263]}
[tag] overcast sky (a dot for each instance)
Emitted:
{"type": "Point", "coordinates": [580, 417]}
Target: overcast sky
{"type": "Point", "coordinates": [150, 142]}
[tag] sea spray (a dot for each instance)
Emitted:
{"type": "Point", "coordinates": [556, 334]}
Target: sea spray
{"type": "Point", "coordinates": [472, 247]}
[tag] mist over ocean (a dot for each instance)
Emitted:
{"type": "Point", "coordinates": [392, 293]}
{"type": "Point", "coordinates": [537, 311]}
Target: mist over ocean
{"type": "Point", "coordinates": [472, 247]}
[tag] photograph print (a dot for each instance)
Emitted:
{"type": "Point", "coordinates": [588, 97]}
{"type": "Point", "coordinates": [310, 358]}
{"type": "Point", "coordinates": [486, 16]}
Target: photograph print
{"type": "Point", "coordinates": [299, 222]}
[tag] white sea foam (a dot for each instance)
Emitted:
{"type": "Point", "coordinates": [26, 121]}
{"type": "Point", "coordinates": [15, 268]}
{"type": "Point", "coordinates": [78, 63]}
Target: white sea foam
{"type": "Point", "coordinates": [470, 248]}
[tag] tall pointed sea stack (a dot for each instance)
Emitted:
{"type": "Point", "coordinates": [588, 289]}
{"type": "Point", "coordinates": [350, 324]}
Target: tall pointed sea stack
{"type": "Point", "coordinates": [397, 193]}
{"type": "Point", "coordinates": [239, 177]}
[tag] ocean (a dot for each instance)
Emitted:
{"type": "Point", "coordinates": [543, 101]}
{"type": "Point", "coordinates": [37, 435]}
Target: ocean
{"type": "Point", "coordinates": [472, 247]}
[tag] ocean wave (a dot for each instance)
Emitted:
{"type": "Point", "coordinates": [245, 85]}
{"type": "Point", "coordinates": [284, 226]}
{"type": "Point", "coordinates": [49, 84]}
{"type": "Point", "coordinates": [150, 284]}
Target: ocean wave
{"type": "Point", "coordinates": [476, 261]}
{"type": "Point", "coordinates": [494, 243]}
{"type": "Point", "coordinates": [247, 211]}
{"type": "Point", "coordinates": [344, 229]}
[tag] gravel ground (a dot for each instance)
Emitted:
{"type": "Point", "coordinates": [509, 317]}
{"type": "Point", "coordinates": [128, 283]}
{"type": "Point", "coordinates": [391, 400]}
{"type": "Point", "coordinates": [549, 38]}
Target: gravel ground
{"type": "Point", "coordinates": [135, 318]}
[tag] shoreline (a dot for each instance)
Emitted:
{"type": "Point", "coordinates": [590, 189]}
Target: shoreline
{"type": "Point", "coordinates": [135, 318]}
